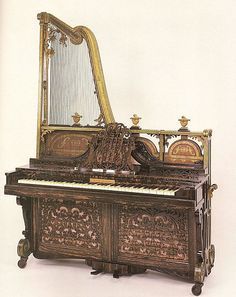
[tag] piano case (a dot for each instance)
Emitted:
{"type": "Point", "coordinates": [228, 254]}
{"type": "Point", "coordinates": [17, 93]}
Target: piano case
{"type": "Point", "coordinates": [124, 199]}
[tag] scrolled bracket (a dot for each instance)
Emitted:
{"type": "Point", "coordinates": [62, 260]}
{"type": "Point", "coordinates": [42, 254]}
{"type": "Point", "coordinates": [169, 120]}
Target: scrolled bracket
{"type": "Point", "coordinates": [211, 189]}
{"type": "Point", "coordinates": [44, 133]}
{"type": "Point", "coordinates": [24, 246]}
{"type": "Point", "coordinates": [209, 258]}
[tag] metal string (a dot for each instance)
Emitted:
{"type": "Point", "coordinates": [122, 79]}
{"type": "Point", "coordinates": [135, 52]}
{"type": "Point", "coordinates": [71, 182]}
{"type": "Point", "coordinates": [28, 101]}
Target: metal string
{"type": "Point", "coordinates": [72, 87]}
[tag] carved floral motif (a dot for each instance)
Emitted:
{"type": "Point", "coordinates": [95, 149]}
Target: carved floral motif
{"type": "Point", "coordinates": [154, 233]}
{"type": "Point", "coordinates": [71, 223]}
{"type": "Point", "coordinates": [52, 33]}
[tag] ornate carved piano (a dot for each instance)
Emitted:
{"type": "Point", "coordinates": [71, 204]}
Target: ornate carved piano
{"type": "Point", "coordinates": [124, 199]}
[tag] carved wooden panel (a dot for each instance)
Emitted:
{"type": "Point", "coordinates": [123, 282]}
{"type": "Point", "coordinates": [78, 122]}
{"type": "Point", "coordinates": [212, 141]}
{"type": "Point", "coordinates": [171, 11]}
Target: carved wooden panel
{"type": "Point", "coordinates": [70, 224]}
{"type": "Point", "coordinates": [152, 233]}
{"type": "Point", "coordinates": [184, 151]}
{"type": "Point", "coordinates": [66, 144]}
{"type": "Point", "coordinates": [111, 148]}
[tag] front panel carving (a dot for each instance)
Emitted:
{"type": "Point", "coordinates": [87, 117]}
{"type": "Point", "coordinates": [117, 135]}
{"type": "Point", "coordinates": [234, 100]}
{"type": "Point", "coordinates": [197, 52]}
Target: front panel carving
{"type": "Point", "coordinates": [71, 224]}
{"type": "Point", "coordinates": [153, 233]}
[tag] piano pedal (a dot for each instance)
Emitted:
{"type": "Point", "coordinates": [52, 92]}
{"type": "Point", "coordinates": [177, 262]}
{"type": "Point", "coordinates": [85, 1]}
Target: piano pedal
{"type": "Point", "coordinates": [96, 272]}
{"type": "Point", "coordinates": [116, 274]}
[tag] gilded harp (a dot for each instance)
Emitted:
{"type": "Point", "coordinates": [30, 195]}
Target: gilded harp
{"type": "Point", "coordinates": [72, 90]}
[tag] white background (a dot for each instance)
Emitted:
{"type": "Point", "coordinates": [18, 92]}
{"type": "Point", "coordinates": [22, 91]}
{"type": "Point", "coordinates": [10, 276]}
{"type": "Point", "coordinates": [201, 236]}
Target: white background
{"type": "Point", "coordinates": [161, 60]}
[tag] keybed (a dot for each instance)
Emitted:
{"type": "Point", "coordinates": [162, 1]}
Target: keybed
{"type": "Point", "coordinates": [152, 190]}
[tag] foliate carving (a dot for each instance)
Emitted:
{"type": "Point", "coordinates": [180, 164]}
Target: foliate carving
{"type": "Point", "coordinates": [179, 174]}
{"type": "Point", "coordinates": [100, 120]}
{"type": "Point", "coordinates": [70, 223]}
{"type": "Point", "coordinates": [111, 148]}
{"type": "Point", "coordinates": [169, 137]}
{"type": "Point", "coordinates": [51, 36]}
{"type": "Point", "coordinates": [152, 232]}
{"type": "Point", "coordinates": [44, 133]}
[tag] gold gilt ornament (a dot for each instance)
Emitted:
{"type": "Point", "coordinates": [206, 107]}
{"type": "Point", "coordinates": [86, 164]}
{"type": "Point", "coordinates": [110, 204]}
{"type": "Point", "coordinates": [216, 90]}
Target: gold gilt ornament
{"type": "Point", "coordinates": [135, 120]}
{"type": "Point", "coordinates": [76, 118]}
{"type": "Point", "coordinates": [183, 122]}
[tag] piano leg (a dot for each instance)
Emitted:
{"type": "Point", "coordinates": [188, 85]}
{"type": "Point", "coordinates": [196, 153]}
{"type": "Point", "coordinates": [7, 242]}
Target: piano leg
{"type": "Point", "coordinates": [23, 251]}
{"type": "Point", "coordinates": [24, 247]}
{"type": "Point", "coordinates": [200, 266]}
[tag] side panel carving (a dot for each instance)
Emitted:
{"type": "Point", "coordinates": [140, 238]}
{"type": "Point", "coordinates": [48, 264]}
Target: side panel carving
{"type": "Point", "coordinates": [71, 225]}
{"type": "Point", "coordinates": [152, 233]}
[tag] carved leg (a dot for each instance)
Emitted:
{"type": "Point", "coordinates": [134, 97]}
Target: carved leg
{"type": "Point", "coordinates": [24, 248]}
{"type": "Point", "coordinates": [199, 275]}
{"type": "Point", "coordinates": [23, 251]}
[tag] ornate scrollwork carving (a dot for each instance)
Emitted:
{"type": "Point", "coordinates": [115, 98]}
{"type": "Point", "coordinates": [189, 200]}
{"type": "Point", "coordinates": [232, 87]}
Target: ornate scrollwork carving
{"type": "Point", "coordinates": [111, 148]}
{"type": "Point", "coordinates": [71, 224]}
{"type": "Point", "coordinates": [168, 137]}
{"type": "Point", "coordinates": [24, 248]}
{"type": "Point", "coordinates": [152, 232]}
{"type": "Point", "coordinates": [199, 139]}
{"type": "Point", "coordinates": [51, 36]}
{"type": "Point", "coordinates": [44, 133]}
{"type": "Point", "coordinates": [100, 120]}
{"type": "Point", "coordinates": [211, 189]}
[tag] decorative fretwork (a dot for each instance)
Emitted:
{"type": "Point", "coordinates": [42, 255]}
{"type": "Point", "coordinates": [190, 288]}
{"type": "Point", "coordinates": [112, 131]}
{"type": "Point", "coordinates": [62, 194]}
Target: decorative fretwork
{"type": "Point", "coordinates": [152, 232]}
{"type": "Point", "coordinates": [200, 139]}
{"type": "Point", "coordinates": [70, 223]}
{"type": "Point", "coordinates": [169, 137]}
{"type": "Point", "coordinates": [111, 148]}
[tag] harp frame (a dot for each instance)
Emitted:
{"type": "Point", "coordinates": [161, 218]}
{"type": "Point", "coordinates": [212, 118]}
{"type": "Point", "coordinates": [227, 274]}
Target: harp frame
{"type": "Point", "coordinates": [76, 35]}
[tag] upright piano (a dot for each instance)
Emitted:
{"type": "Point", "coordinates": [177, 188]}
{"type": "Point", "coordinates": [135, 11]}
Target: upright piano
{"type": "Point", "coordinates": [123, 199]}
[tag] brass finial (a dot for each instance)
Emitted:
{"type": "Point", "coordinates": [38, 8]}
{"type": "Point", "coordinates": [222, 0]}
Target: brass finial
{"type": "Point", "coordinates": [76, 118]}
{"type": "Point", "coordinates": [135, 120]}
{"type": "Point", "coordinates": [184, 122]}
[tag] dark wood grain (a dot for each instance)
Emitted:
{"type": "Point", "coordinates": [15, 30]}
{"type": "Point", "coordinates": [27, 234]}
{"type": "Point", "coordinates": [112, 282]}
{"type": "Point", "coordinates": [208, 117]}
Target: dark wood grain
{"type": "Point", "coordinates": [119, 232]}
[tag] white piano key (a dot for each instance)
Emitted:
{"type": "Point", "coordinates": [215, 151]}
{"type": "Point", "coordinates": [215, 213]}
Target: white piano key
{"type": "Point", "coordinates": [106, 187]}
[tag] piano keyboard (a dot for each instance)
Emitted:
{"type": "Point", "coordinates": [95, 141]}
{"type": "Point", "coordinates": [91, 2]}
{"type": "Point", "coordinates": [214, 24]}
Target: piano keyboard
{"type": "Point", "coordinates": [108, 187]}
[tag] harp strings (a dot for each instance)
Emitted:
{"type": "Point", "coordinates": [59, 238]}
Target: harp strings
{"type": "Point", "coordinates": [72, 87]}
